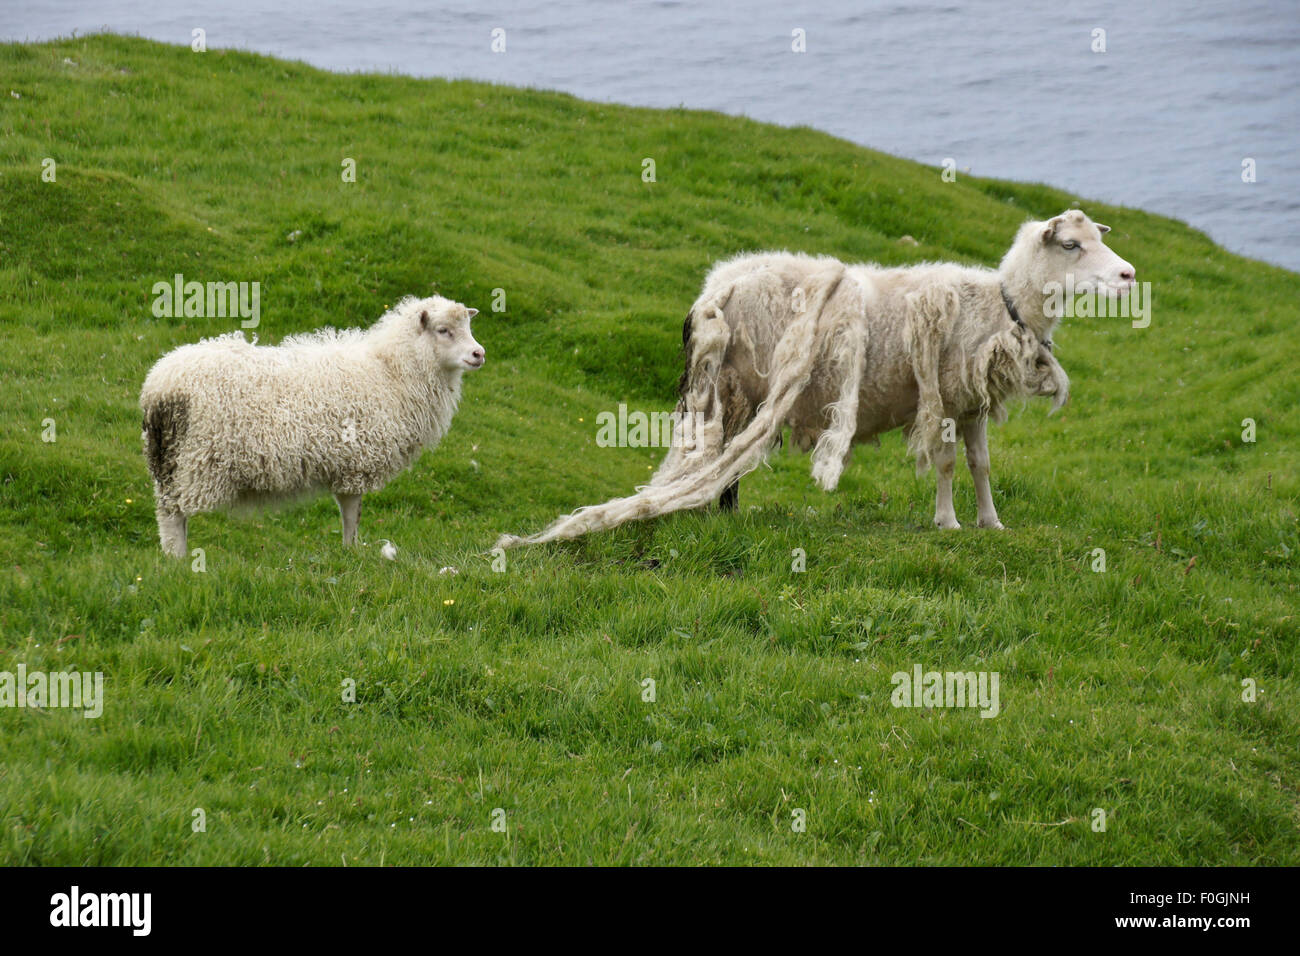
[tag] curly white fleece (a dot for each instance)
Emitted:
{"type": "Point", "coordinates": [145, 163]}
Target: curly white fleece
{"type": "Point", "coordinates": [338, 411]}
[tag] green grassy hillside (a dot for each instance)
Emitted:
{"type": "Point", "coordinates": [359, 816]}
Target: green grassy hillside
{"type": "Point", "coordinates": [522, 690]}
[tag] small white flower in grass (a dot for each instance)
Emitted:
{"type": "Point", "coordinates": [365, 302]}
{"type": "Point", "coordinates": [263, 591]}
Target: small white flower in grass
{"type": "Point", "coordinates": [294, 236]}
{"type": "Point", "coordinates": [448, 570]}
{"type": "Point", "coordinates": [473, 464]}
{"type": "Point", "coordinates": [388, 550]}
{"type": "Point", "coordinates": [15, 94]}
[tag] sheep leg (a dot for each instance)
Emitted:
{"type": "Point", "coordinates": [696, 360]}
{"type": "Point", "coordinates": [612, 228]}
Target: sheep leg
{"type": "Point", "coordinates": [172, 528]}
{"type": "Point", "coordinates": [730, 499]}
{"type": "Point", "coordinates": [700, 409]}
{"type": "Point", "coordinates": [945, 463]}
{"type": "Point", "coordinates": [350, 512]}
{"type": "Point", "coordinates": [737, 413]}
{"type": "Point", "coordinates": [975, 435]}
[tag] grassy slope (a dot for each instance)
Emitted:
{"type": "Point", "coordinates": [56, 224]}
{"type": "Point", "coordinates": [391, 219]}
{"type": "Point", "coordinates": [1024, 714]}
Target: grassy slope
{"type": "Point", "coordinates": [1119, 690]}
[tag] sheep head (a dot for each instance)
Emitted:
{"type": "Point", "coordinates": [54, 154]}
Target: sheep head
{"type": "Point", "coordinates": [444, 326]}
{"type": "Point", "coordinates": [1073, 253]}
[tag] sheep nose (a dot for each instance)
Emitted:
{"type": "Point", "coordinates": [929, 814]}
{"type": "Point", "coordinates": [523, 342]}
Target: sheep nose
{"type": "Point", "coordinates": [479, 354]}
{"type": "Point", "coordinates": [1128, 272]}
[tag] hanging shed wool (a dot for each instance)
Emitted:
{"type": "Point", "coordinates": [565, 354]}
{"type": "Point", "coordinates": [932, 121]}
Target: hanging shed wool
{"type": "Point", "coordinates": [843, 353]}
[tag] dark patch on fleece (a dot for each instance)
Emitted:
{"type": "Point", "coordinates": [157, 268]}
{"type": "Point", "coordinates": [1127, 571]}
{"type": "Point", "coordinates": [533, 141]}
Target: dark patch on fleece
{"type": "Point", "coordinates": [684, 383]}
{"type": "Point", "coordinates": [165, 424]}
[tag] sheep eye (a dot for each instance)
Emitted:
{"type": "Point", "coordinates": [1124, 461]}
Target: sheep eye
{"type": "Point", "coordinates": [444, 331]}
{"type": "Point", "coordinates": [1069, 244]}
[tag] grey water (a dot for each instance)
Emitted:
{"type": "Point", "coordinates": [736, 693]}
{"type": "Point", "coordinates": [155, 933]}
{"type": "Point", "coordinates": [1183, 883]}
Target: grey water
{"type": "Point", "coordinates": [1185, 98]}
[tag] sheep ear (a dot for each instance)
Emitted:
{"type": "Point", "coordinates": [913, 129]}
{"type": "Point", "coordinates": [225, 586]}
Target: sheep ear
{"type": "Point", "coordinates": [424, 321]}
{"type": "Point", "coordinates": [1103, 228]}
{"type": "Point", "coordinates": [473, 312]}
{"type": "Point", "coordinates": [1049, 228]}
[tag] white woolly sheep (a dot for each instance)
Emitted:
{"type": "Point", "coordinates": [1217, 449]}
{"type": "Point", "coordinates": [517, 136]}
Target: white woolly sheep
{"type": "Point", "coordinates": [229, 424]}
{"type": "Point", "coordinates": [845, 353]}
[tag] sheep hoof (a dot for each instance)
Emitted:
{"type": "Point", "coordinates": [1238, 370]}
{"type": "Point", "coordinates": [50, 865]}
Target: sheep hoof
{"type": "Point", "coordinates": [993, 523]}
{"type": "Point", "coordinates": [948, 524]}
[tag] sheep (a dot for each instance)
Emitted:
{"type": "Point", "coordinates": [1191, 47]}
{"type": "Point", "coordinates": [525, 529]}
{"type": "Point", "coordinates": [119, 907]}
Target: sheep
{"type": "Point", "coordinates": [230, 424]}
{"type": "Point", "coordinates": [844, 353]}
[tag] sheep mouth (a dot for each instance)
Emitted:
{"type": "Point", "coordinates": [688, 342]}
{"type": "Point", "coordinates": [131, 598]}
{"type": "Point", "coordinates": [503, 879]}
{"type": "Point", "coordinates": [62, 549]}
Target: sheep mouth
{"type": "Point", "coordinates": [1103, 287]}
{"type": "Point", "coordinates": [473, 363]}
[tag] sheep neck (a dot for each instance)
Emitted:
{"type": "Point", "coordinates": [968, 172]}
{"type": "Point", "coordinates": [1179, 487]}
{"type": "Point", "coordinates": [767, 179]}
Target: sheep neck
{"type": "Point", "coordinates": [435, 389]}
{"type": "Point", "coordinates": [1015, 317]}
{"type": "Point", "coordinates": [444, 394]}
{"type": "Point", "coordinates": [1026, 303]}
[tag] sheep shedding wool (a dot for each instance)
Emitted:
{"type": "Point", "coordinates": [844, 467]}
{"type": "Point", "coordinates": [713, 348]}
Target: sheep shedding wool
{"type": "Point", "coordinates": [842, 354]}
{"type": "Point", "coordinates": [229, 424]}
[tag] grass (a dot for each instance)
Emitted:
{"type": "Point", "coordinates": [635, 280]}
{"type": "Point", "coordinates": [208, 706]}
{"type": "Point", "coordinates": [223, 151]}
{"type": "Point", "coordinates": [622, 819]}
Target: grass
{"type": "Point", "coordinates": [522, 691]}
